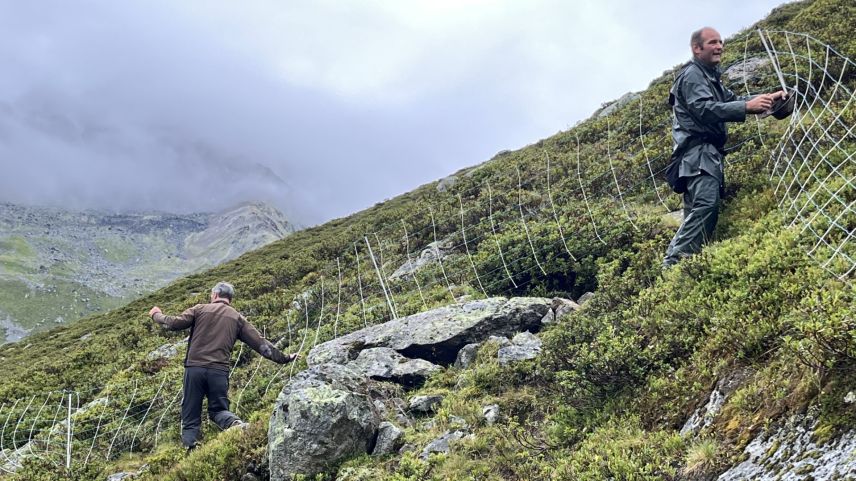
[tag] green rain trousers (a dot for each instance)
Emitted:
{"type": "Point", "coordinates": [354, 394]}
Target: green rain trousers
{"type": "Point", "coordinates": [701, 211]}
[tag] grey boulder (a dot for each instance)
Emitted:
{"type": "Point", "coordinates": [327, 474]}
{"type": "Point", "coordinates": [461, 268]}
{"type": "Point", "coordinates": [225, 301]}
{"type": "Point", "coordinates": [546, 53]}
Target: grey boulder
{"type": "Point", "coordinates": [523, 346]}
{"type": "Point", "coordinates": [559, 308]}
{"type": "Point", "coordinates": [425, 404]}
{"type": "Point", "coordinates": [322, 417]}
{"type": "Point", "coordinates": [746, 71]}
{"type": "Point", "coordinates": [389, 439]}
{"type": "Point", "coordinates": [385, 364]}
{"type": "Point", "coordinates": [167, 351]}
{"type": "Point", "coordinates": [467, 356]}
{"type": "Point", "coordinates": [442, 444]}
{"type": "Point", "coordinates": [491, 413]}
{"type": "Point", "coordinates": [437, 335]}
{"type": "Point", "coordinates": [430, 254]}
{"type": "Point", "coordinates": [585, 298]}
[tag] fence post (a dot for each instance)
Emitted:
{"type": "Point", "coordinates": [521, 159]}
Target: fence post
{"type": "Point", "coordinates": [68, 436]}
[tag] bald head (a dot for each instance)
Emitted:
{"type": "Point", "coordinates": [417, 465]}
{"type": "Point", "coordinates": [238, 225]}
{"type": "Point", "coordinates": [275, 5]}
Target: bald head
{"type": "Point", "coordinates": [706, 44]}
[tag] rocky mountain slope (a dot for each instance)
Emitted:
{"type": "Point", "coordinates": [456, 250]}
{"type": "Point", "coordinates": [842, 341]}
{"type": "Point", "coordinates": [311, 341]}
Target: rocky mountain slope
{"type": "Point", "coordinates": [737, 363]}
{"type": "Point", "coordinates": [57, 266]}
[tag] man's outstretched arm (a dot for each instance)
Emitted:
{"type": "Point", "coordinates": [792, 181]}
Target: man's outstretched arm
{"type": "Point", "coordinates": [173, 323]}
{"type": "Point", "coordinates": [251, 336]}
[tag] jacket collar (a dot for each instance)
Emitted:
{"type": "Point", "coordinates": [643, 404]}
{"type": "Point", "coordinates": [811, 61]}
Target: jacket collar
{"type": "Point", "coordinates": [221, 301]}
{"type": "Point", "coordinates": [713, 72]}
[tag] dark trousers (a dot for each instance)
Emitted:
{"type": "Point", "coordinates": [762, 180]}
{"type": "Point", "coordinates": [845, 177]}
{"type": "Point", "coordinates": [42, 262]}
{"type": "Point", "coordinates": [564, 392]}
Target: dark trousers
{"type": "Point", "coordinates": [701, 211]}
{"type": "Point", "coordinates": [213, 384]}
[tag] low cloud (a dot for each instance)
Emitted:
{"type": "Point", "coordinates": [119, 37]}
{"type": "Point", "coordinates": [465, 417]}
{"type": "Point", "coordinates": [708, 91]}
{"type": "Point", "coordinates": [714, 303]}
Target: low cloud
{"type": "Point", "coordinates": [321, 108]}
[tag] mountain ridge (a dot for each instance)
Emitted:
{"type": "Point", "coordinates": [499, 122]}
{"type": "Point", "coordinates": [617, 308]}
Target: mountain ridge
{"type": "Point", "coordinates": [82, 262]}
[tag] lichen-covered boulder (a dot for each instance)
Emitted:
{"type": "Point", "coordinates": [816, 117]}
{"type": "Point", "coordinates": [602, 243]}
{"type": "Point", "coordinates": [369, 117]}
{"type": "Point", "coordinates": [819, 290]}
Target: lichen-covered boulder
{"type": "Point", "coordinates": [437, 335]}
{"type": "Point", "coordinates": [385, 364]}
{"type": "Point", "coordinates": [322, 417]}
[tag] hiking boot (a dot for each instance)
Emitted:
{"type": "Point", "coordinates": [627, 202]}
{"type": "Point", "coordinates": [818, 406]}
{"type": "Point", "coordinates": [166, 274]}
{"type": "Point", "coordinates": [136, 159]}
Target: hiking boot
{"type": "Point", "coordinates": [238, 424]}
{"type": "Point", "coordinates": [192, 448]}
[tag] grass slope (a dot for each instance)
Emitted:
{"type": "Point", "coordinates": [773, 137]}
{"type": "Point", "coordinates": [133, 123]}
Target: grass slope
{"type": "Point", "coordinates": [615, 381]}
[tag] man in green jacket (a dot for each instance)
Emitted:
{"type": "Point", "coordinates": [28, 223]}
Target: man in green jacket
{"type": "Point", "coordinates": [214, 329]}
{"type": "Point", "coordinates": [702, 106]}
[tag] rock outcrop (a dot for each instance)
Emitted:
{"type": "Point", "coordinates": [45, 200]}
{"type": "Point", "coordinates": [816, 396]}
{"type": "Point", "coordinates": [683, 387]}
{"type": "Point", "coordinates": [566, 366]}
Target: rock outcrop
{"type": "Point", "coordinates": [793, 453]}
{"type": "Point", "coordinates": [323, 416]}
{"type": "Point", "coordinates": [430, 254]}
{"type": "Point", "coordinates": [385, 364]}
{"type": "Point", "coordinates": [437, 335]}
{"type": "Point", "coordinates": [747, 71]}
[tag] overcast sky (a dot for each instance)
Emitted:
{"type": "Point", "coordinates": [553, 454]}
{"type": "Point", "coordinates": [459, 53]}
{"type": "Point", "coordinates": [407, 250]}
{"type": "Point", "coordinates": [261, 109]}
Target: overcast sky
{"type": "Point", "coordinates": [320, 107]}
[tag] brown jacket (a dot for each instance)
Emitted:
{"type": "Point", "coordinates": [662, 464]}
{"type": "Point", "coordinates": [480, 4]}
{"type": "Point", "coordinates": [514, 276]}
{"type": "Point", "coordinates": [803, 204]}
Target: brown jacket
{"type": "Point", "coordinates": [214, 328]}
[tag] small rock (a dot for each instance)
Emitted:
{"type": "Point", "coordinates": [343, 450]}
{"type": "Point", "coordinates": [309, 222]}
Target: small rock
{"type": "Point", "coordinates": [748, 70]}
{"type": "Point", "coordinates": [467, 356]}
{"type": "Point", "coordinates": [389, 439]}
{"type": "Point", "coordinates": [549, 318]}
{"type": "Point", "coordinates": [523, 346]}
{"type": "Point", "coordinates": [585, 298]}
{"type": "Point", "coordinates": [403, 420]}
{"type": "Point", "coordinates": [850, 398]}
{"type": "Point", "coordinates": [491, 413]}
{"type": "Point", "coordinates": [500, 341]}
{"type": "Point", "coordinates": [559, 308]}
{"type": "Point", "coordinates": [446, 183]}
{"type": "Point", "coordinates": [676, 215]}
{"type": "Point", "coordinates": [407, 448]}
{"type": "Point", "coordinates": [249, 477]}
{"type": "Point", "coordinates": [167, 351]}
{"type": "Point", "coordinates": [381, 407]}
{"type": "Point", "coordinates": [621, 102]}
{"type": "Point", "coordinates": [441, 444]}
{"type": "Point", "coordinates": [562, 307]}
{"type": "Point", "coordinates": [457, 422]}
{"type": "Point", "coordinates": [425, 404]}
{"type": "Point", "coordinates": [121, 476]}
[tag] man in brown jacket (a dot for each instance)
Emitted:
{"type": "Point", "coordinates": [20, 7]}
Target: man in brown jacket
{"type": "Point", "coordinates": [214, 329]}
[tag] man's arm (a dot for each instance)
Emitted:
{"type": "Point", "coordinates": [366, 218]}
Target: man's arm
{"type": "Point", "coordinates": [251, 336]}
{"type": "Point", "coordinates": [173, 323]}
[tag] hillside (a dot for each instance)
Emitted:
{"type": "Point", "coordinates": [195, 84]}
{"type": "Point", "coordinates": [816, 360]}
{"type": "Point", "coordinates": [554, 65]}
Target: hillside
{"type": "Point", "coordinates": [761, 324]}
{"type": "Point", "coordinates": [57, 266]}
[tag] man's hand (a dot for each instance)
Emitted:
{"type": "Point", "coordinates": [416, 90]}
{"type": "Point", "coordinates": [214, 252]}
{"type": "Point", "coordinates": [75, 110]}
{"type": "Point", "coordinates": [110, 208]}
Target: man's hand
{"type": "Point", "coordinates": [154, 310]}
{"type": "Point", "coordinates": [761, 103]}
{"type": "Point", "coordinates": [293, 357]}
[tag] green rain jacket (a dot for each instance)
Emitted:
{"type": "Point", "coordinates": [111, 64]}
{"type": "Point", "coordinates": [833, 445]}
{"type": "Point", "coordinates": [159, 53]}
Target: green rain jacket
{"type": "Point", "coordinates": [701, 106]}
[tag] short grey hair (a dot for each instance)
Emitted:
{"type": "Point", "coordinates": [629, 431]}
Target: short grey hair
{"type": "Point", "coordinates": [695, 38]}
{"type": "Point", "coordinates": [224, 290]}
